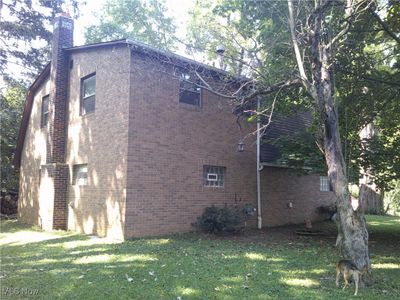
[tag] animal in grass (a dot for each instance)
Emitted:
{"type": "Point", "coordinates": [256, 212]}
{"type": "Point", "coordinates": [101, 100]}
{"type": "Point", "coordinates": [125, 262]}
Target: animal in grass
{"type": "Point", "coordinates": [349, 270]}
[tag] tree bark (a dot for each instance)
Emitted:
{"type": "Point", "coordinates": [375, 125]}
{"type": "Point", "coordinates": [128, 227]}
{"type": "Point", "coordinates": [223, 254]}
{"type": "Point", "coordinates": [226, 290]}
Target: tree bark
{"type": "Point", "coordinates": [352, 231]}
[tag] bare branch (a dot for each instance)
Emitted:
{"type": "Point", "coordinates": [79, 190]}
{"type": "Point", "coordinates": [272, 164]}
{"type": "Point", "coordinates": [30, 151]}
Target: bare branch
{"type": "Point", "coordinates": [299, 60]}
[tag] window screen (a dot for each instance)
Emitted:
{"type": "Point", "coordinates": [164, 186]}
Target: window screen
{"type": "Point", "coordinates": [324, 184]}
{"type": "Point", "coordinates": [80, 175]}
{"type": "Point", "coordinates": [189, 91]}
{"type": "Point", "coordinates": [45, 111]}
{"type": "Point", "coordinates": [88, 100]}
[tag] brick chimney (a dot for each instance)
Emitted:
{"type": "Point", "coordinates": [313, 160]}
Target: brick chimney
{"type": "Point", "coordinates": [62, 38]}
{"type": "Point", "coordinates": [55, 169]}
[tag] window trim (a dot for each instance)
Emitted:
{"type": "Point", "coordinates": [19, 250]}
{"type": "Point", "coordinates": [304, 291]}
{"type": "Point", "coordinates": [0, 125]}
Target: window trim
{"type": "Point", "coordinates": [75, 172]}
{"type": "Point", "coordinates": [212, 171]}
{"type": "Point", "coordinates": [183, 78]}
{"type": "Point", "coordinates": [42, 113]}
{"type": "Point", "coordinates": [82, 112]}
{"type": "Point", "coordinates": [324, 184]}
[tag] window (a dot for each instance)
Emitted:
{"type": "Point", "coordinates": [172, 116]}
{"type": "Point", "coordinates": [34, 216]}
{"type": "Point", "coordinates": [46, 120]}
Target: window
{"type": "Point", "coordinates": [214, 176]}
{"type": "Point", "coordinates": [189, 91]}
{"type": "Point", "coordinates": [324, 185]}
{"type": "Point", "coordinates": [45, 111]}
{"type": "Point", "coordinates": [88, 94]}
{"type": "Point", "coordinates": [79, 175]}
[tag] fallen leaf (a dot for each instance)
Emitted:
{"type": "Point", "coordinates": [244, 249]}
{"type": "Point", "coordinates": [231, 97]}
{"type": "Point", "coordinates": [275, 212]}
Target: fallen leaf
{"type": "Point", "coordinates": [151, 273]}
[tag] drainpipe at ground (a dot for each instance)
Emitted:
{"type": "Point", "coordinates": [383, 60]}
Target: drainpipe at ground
{"type": "Point", "coordinates": [259, 216]}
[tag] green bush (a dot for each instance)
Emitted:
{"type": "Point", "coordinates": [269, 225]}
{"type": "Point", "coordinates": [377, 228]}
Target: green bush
{"type": "Point", "coordinates": [220, 220]}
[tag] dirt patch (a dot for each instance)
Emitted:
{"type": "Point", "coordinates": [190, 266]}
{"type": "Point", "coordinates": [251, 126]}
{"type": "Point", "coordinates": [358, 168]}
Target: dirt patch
{"type": "Point", "coordinates": [283, 235]}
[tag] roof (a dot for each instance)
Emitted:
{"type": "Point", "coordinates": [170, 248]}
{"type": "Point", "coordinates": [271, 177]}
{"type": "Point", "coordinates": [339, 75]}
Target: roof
{"type": "Point", "coordinates": [149, 50]}
{"type": "Point", "coordinates": [134, 45]}
{"type": "Point", "coordinates": [289, 126]}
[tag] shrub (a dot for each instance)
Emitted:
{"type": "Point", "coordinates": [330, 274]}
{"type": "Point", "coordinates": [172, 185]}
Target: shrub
{"type": "Point", "coordinates": [219, 220]}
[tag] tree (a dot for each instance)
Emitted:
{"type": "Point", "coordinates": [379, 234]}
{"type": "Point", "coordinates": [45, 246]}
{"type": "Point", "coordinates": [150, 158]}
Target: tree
{"type": "Point", "coordinates": [367, 78]}
{"type": "Point", "coordinates": [26, 34]}
{"type": "Point", "coordinates": [25, 37]}
{"type": "Point", "coordinates": [141, 20]}
{"type": "Point", "coordinates": [308, 37]}
{"type": "Point", "coordinates": [10, 116]}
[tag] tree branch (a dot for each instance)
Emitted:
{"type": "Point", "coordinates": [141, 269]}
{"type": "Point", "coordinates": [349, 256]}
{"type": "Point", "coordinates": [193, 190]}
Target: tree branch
{"type": "Point", "coordinates": [296, 48]}
{"type": "Point", "coordinates": [384, 26]}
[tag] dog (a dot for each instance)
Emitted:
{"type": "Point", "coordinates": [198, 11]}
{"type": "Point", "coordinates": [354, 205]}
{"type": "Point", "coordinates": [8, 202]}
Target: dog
{"type": "Point", "coordinates": [349, 270]}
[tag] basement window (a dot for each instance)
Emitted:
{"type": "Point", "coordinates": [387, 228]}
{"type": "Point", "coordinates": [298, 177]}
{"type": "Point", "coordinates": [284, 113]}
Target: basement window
{"type": "Point", "coordinates": [214, 176]}
{"type": "Point", "coordinates": [45, 111]}
{"type": "Point", "coordinates": [324, 185]}
{"type": "Point", "coordinates": [88, 94]}
{"type": "Point", "coordinates": [80, 175]}
{"type": "Point", "coordinates": [189, 90]}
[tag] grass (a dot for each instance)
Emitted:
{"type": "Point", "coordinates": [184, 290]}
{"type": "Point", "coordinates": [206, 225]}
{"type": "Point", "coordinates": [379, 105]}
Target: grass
{"type": "Point", "coordinates": [272, 264]}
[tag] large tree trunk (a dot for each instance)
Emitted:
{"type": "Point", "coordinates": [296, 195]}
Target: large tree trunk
{"type": "Point", "coordinates": [352, 231]}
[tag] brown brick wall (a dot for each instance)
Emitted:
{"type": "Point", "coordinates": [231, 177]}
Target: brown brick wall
{"type": "Point", "coordinates": [169, 142]}
{"type": "Point", "coordinates": [100, 140]}
{"type": "Point", "coordinates": [32, 207]}
{"type": "Point", "coordinates": [145, 153]}
{"type": "Point", "coordinates": [280, 186]}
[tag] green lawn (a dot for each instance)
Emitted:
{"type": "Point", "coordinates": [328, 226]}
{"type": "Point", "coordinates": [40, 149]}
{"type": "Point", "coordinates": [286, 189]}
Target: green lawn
{"type": "Point", "coordinates": [272, 264]}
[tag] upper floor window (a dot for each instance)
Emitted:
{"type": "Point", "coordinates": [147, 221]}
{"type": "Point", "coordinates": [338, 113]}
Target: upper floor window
{"type": "Point", "coordinates": [214, 176]}
{"type": "Point", "coordinates": [189, 90]}
{"type": "Point", "coordinates": [45, 111]}
{"type": "Point", "coordinates": [324, 185]}
{"type": "Point", "coordinates": [79, 176]}
{"type": "Point", "coordinates": [88, 94]}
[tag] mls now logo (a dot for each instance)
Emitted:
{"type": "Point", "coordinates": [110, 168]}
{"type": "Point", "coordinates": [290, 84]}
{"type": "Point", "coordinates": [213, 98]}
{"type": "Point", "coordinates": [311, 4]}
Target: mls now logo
{"type": "Point", "coordinates": [8, 291]}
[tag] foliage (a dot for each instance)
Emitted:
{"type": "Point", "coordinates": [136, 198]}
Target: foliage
{"type": "Point", "coordinates": [392, 198]}
{"type": "Point", "coordinates": [300, 151]}
{"type": "Point", "coordinates": [10, 117]}
{"type": "Point", "coordinates": [261, 265]}
{"type": "Point", "coordinates": [367, 77]}
{"type": "Point", "coordinates": [141, 20]}
{"type": "Point", "coordinates": [26, 34]}
{"type": "Point", "coordinates": [365, 64]}
{"type": "Point", "coordinates": [219, 220]}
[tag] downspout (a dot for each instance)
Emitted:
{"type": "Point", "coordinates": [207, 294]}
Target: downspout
{"type": "Point", "coordinates": [259, 168]}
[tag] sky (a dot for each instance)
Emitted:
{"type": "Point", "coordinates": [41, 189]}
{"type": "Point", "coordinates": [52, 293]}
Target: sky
{"type": "Point", "coordinates": [178, 9]}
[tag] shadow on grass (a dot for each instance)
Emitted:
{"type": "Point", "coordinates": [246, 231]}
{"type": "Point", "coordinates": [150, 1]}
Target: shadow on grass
{"type": "Point", "coordinates": [191, 266]}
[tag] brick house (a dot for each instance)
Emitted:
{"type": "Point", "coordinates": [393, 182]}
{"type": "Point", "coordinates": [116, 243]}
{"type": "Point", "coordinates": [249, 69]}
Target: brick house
{"type": "Point", "coordinates": [114, 143]}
